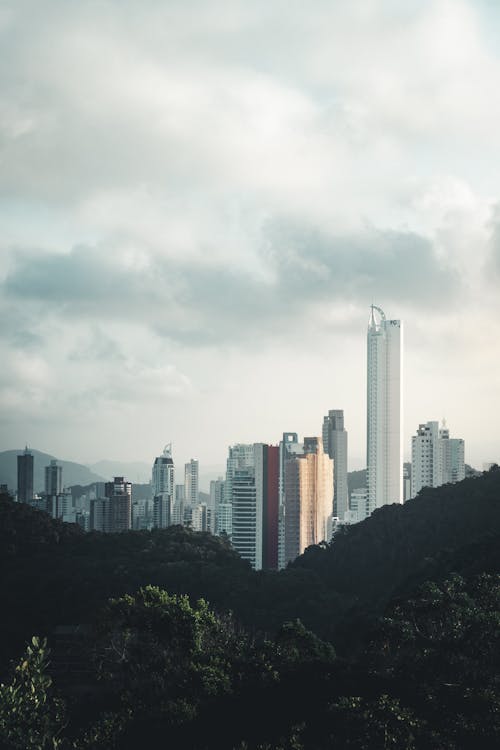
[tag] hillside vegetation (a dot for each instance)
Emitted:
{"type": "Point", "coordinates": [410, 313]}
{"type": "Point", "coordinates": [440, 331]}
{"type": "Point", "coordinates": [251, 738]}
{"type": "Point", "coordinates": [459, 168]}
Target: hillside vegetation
{"type": "Point", "coordinates": [387, 637]}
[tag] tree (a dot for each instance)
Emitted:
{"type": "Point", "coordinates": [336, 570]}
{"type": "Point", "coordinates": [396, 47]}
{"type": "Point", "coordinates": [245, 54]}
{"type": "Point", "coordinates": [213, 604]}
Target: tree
{"type": "Point", "coordinates": [163, 657]}
{"type": "Point", "coordinates": [31, 718]}
{"type": "Point", "coordinates": [440, 650]}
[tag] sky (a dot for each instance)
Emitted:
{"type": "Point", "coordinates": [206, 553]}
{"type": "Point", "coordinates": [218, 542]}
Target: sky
{"type": "Point", "coordinates": [200, 199]}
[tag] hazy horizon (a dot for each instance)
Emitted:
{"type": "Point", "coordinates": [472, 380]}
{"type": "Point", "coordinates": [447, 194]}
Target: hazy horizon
{"type": "Point", "coordinates": [200, 201]}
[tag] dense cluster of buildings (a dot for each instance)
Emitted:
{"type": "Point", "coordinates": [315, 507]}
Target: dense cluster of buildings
{"type": "Point", "coordinates": [276, 500]}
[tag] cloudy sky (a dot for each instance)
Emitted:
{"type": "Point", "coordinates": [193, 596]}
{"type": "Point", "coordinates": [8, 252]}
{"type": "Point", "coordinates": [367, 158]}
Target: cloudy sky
{"type": "Point", "coordinates": [200, 199]}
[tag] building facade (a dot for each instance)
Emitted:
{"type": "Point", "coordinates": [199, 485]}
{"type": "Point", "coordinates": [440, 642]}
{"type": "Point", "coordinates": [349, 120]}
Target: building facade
{"type": "Point", "coordinates": [216, 500]}
{"type": "Point", "coordinates": [453, 457]}
{"type": "Point", "coordinates": [436, 458]}
{"type": "Point", "coordinates": [53, 479]}
{"type": "Point", "coordinates": [178, 507]}
{"type": "Point", "coordinates": [245, 512]}
{"type": "Point", "coordinates": [254, 478]}
{"type": "Point", "coordinates": [384, 410]}
{"type": "Point", "coordinates": [289, 446]}
{"type": "Point", "coordinates": [335, 444]}
{"type": "Point", "coordinates": [191, 483]}
{"type": "Point", "coordinates": [358, 510]}
{"type": "Point", "coordinates": [61, 505]}
{"type": "Point", "coordinates": [308, 493]}
{"type": "Point", "coordinates": [25, 466]}
{"type": "Point", "coordinates": [240, 457]}
{"type": "Point", "coordinates": [162, 484]}
{"type": "Point", "coordinates": [119, 505]}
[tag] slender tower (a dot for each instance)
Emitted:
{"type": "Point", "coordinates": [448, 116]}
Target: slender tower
{"type": "Point", "coordinates": [384, 410]}
{"type": "Point", "coordinates": [25, 490]}
{"type": "Point", "coordinates": [163, 482]}
{"type": "Point", "coordinates": [335, 444]}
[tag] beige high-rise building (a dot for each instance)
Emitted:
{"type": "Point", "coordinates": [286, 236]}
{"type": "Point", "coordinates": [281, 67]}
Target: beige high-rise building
{"type": "Point", "coordinates": [308, 497]}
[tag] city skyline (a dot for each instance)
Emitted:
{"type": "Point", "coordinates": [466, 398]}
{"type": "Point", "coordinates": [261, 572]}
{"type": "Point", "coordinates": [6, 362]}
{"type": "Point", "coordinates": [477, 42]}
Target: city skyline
{"type": "Point", "coordinates": [199, 203]}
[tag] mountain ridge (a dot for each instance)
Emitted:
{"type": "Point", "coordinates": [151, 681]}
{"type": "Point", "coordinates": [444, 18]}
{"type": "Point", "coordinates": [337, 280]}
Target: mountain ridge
{"type": "Point", "coordinates": [73, 472]}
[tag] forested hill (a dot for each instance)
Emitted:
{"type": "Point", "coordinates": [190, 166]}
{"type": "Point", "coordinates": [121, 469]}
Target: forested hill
{"type": "Point", "coordinates": [415, 541]}
{"type": "Point", "coordinates": [54, 574]}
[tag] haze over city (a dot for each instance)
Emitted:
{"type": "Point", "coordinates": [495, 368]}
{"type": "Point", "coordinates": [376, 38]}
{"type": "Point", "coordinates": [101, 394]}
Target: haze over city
{"type": "Point", "coordinates": [200, 202]}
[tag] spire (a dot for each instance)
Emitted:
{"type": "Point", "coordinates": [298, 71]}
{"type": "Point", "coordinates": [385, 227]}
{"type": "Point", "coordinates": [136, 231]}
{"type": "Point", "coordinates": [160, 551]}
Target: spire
{"type": "Point", "coordinates": [372, 324]}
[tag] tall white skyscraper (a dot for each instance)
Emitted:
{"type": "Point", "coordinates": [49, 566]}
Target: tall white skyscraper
{"type": "Point", "coordinates": [384, 410]}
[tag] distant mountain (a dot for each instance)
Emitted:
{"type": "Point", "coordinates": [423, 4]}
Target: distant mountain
{"type": "Point", "coordinates": [356, 480]}
{"type": "Point", "coordinates": [73, 473]}
{"type": "Point", "coordinates": [133, 471]}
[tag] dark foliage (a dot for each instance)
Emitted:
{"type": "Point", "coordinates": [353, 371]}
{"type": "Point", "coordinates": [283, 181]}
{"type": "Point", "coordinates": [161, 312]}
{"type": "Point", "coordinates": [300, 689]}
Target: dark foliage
{"type": "Point", "coordinates": [418, 662]}
{"type": "Point", "coordinates": [337, 590]}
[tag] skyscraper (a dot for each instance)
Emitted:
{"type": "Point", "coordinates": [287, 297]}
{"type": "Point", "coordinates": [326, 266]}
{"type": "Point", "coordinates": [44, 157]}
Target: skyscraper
{"type": "Point", "coordinates": [53, 479]}
{"type": "Point", "coordinates": [289, 446]}
{"type": "Point", "coordinates": [384, 410]}
{"type": "Point", "coordinates": [162, 482]}
{"type": "Point", "coordinates": [426, 458]}
{"type": "Point", "coordinates": [58, 502]}
{"type": "Point", "coordinates": [453, 450]}
{"type": "Point", "coordinates": [25, 490]}
{"type": "Point", "coordinates": [268, 466]}
{"type": "Point", "coordinates": [308, 495]}
{"type": "Point", "coordinates": [119, 505]}
{"type": "Point", "coordinates": [178, 506]}
{"type": "Point", "coordinates": [253, 472]}
{"type": "Point", "coordinates": [335, 444]}
{"type": "Point", "coordinates": [240, 457]}
{"type": "Point", "coordinates": [435, 457]}
{"type": "Point", "coordinates": [245, 511]}
{"type": "Point", "coordinates": [216, 499]}
{"type": "Point", "coordinates": [191, 483]}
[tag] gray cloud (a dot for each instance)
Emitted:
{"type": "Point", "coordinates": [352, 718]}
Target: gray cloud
{"type": "Point", "coordinates": [210, 303]}
{"type": "Point", "coordinates": [383, 264]}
